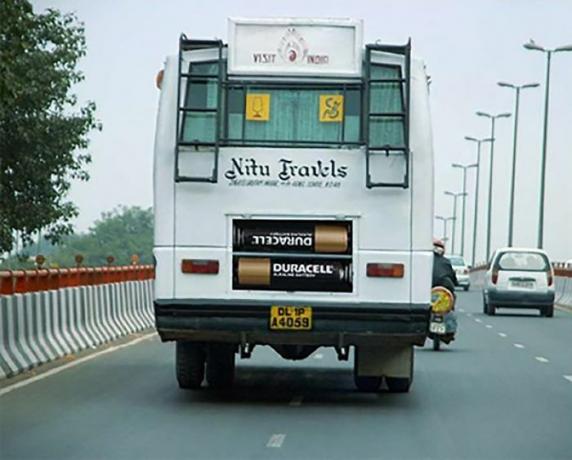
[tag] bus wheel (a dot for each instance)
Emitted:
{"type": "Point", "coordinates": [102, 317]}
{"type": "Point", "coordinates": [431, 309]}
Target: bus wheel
{"type": "Point", "coordinates": [367, 384]}
{"type": "Point", "coordinates": [190, 365]}
{"type": "Point", "coordinates": [398, 384]}
{"type": "Point", "coordinates": [220, 365]}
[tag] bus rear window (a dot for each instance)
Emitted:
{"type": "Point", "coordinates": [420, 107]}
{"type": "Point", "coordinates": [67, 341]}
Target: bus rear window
{"type": "Point", "coordinates": [257, 115]}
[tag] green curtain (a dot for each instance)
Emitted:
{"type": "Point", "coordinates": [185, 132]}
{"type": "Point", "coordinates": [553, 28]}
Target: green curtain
{"type": "Point", "coordinates": [386, 98]}
{"type": "Point", "coordinates": [201, 94]}
{"type": "Point", "coordinates": [294, 117]}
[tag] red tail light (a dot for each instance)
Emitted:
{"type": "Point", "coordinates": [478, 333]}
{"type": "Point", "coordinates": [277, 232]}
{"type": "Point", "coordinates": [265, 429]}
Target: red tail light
{"type": "Point", "coordinates": [495, 276]}
{"type": "Point", "coordinates": [385, 270]}
{"type": "Point", "coordinates": [200, 266]}
{"type": "Point", "coordinates": [549, 278]}
{"type": "Point", "coordinates": [465, 271]}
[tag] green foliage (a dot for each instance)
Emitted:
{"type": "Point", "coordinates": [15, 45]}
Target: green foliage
{"type": "Point", "coordinates": [120, 233]}
{"type": "Point", "coordinates": [43, 132]}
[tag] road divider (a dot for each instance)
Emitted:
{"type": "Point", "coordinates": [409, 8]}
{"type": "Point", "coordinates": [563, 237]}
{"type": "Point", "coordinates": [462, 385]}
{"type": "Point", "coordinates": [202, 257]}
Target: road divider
{"type": "Point", "coordinates": [48, 314]}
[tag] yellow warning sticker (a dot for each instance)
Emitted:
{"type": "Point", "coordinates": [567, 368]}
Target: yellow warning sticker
{"type": "Point", "coordinates": [331, 107]}
{"type": "Point", "coordinates": [258, 107]}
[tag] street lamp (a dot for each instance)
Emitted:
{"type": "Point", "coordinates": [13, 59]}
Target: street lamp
{"type": "Point", "coordinates": [444, 220]}
{"type": "Point", "coordinates": [531, 45]}
{"type": "Point", "coordinates": [464, 168]}
{"type": "Point", "coordinates": [479, 142]}
{"type": "Point", "coordinates": [455, 195]}
{"type": "Point", "coordinates": [517, 89]}
{"type": "Point", "coordinates": [489, 214]}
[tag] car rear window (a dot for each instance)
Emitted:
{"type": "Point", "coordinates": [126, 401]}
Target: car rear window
{"type": "Point", "coordinates": [528, 261]}
{"type": "Point", "coordinates": [457, 261]}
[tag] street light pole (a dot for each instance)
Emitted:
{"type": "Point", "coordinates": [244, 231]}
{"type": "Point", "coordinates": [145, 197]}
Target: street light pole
{"type": "Point", "coordinates": [465, 194]}
{"type": "Point", "coordinates": [531, 45]}
{"type": "Point", "coordinates": [455, 196]}
{"type": "Point", "coordinates": [490, 204]}
{"type": "Point", "coordinates": [517, 89]}
{"type": "Point", "coordinates": [444, 220]}
{"type": "Point", "coordinates": [475, 220]}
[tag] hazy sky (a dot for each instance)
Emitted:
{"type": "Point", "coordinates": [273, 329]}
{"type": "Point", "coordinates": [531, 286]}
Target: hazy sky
{"type": "Point", "coordinates": [467, 45]}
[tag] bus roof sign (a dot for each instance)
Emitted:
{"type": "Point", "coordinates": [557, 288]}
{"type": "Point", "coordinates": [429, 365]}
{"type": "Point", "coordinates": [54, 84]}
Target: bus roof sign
{"type": "Point", "coordinates": [295, 46]}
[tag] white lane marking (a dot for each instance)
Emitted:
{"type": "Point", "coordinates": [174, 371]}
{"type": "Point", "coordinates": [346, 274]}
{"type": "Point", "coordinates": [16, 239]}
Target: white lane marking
{"type": "Point", "coordinates": [318, 356]}
{"type": "Point", "coordinates": [69, 365]}
{"type": "Point", "coordinates": [297, 400]}
{"type": "Point", "coordinates": [518, 345]}
{"type": "Point", "coordinates": [502, 334]}
{"type": "Point", "coordinates": [478, 320]}
{"type": "Point", "coordinates": [568, 377]}
{"type": "Point", "coordinates": [541, 359]}
{"type": "Point", "coordinates": [276, 440]}
{"type": "Point", "coordinates": [488, 326]}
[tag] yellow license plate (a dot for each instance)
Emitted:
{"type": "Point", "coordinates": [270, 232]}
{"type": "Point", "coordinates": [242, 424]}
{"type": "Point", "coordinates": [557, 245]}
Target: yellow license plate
{"type": "Point", "coordinates": [289, 318]}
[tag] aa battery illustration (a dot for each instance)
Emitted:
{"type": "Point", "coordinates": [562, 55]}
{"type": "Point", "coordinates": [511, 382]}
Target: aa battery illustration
{"type": "Point", "coordinates": [292, 274]}
{"type": "Point", "coordinates": [301, 237]}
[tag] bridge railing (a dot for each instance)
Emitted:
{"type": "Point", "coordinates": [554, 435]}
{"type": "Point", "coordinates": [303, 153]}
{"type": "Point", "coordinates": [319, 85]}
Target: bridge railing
{"type": "Point", "coordinates": [47, 314]}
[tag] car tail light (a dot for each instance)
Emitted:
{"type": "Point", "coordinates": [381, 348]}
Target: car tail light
{"type": "Point", "coordinates": [466, 271]}
{"type": "Point", "coordinates": [549, 278]}
{"type": "Point", "coordinates": [495, 276]}
{"type": "Point", "coordinates": [385, 270]}
{"type": "Point", "coordinates": [200, 266]}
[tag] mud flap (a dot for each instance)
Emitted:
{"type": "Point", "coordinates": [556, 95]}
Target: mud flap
{"type": "Point", "coordinates": [384, 361]}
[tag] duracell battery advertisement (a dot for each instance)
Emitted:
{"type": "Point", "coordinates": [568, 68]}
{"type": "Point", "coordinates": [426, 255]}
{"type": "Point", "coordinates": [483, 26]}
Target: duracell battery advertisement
{"type": "Point", "coordinates": [274, 271]}
{"type": "Point", "coordinates": [317, 237]}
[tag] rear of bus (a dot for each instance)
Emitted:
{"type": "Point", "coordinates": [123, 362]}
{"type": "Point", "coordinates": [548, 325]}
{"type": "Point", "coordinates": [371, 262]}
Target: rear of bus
{"type": "Point", "coordinates": [293, 196]}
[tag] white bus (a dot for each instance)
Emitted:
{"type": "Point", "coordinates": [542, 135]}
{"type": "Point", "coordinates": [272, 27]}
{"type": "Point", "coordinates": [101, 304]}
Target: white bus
{"type": "Point", "coordinates": [293, 197]}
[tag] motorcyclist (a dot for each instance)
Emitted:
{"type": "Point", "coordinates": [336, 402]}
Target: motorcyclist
{"type": "Point", "coordinates": [443, 276]}
{"type": "Point", "coordinates": [443, 273]}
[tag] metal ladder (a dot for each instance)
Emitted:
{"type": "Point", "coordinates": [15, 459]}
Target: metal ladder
{"type": "Point", "coordinates": [184, 76]}
{"type": "Point", "coordinates": [403, 81]}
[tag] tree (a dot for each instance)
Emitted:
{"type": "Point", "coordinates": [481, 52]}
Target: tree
{"type": "Point", "coordinates": [43, 132]}
{"type": "Point", "coordinates": [121, 233]}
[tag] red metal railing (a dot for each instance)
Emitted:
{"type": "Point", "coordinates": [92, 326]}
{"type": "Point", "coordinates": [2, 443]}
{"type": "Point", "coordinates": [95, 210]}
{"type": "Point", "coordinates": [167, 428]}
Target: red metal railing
{"type": "Point", "coordinates": [21, 281]}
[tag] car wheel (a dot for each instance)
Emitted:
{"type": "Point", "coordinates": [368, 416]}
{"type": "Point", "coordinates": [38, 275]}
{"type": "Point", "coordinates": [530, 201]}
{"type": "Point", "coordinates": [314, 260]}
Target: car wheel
{"type": "Point", "coordinates": [548, 311]}
{"type": "Point", "coordinates": [220, 365]}
{"type": "Point", "coordinates": [466, 288]}
{"type": "Point", "coordinates": [436, 344]}
{"type": "Point", "coordinates": [491, 309]}
{"type": "Point", "coordinates": [485, 307]}
{"type": "Point", "coordinates": [190, 365]}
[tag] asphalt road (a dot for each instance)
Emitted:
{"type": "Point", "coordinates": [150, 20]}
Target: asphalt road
{"type": "Point", "coordinates": [499, 392]}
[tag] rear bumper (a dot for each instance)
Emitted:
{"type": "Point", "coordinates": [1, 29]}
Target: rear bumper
{"type": "Point", "coordinates": [520, 299]}
{"type": "Point", "coordinates": [464, 280]}
{"type": "Point", "coordinates": [333, 324]}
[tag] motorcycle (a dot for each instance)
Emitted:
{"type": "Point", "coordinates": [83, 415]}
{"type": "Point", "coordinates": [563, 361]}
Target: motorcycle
{"type": "Point", "coordinates": [443, 320]}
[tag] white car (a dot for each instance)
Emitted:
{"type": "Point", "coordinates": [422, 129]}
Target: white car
{"type": "Point", "coordinates": [462, 271]}
{"type": "Point", "coordinates": [519, 278]}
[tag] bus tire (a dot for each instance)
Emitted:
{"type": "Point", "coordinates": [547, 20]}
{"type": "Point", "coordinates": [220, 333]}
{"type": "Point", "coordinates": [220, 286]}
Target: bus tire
{"type": "Point", "coordinates": [190, 365]}
{"type": "Point", "coordinates": [220, 365]}
{"type": "Point", "coordinates": [398, 384]}
{"type": "Point", "coordinates": [367, 384]}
